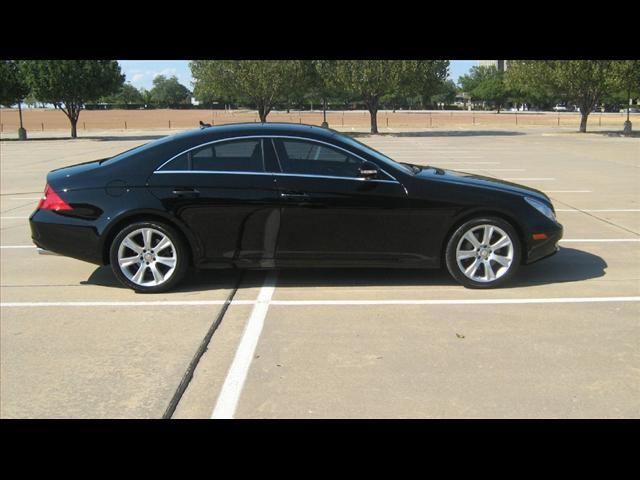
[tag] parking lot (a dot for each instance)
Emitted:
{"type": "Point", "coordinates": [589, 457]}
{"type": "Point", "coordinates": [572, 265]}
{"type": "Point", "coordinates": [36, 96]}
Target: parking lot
{"type": "Point", "coordinates": [561, 341]}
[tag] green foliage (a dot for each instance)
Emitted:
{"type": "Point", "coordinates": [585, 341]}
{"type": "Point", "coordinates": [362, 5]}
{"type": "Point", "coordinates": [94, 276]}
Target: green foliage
{"type": "Point", "coordinates": [627, 81]}
{"type": "Point", "coordinates": [369, 81]}
{"type": "Point", "coordinates": [486, 84]}
{"type": "Point", "coordinates": [582, 82]}
{"type": "Point", "coordinates": [70, 84]}
{"type": "Point", "coordinates": [262, 83]}
{"type": "Point", "coordinates": [13, 88]}
{"type": "Point", "coordinates": [446, 93]}
{"type": "Point", "coordinates": [128, 94]}
{"type": "Point", "coordinates": [168, 91]}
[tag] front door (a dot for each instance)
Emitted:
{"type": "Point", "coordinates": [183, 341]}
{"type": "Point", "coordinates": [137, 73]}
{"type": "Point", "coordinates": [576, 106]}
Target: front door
{"type": "Point", "coordinates": [331, 214]}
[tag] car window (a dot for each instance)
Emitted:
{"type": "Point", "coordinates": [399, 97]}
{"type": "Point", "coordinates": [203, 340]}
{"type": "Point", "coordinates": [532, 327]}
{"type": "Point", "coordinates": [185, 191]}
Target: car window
{"type": "Point", "coordinates": [178, 163]}
{"type": "Point", "coordinates": [233, 156]}
{"type": "Point", "coordinates": [310, 158]}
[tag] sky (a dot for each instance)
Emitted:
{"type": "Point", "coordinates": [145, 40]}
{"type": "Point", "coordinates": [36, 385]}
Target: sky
{"type": "Point", "coordinates": [140, 73]}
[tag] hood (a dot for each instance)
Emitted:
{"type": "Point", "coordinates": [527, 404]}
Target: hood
{"type": "Point", "coordinates": [473, 180]}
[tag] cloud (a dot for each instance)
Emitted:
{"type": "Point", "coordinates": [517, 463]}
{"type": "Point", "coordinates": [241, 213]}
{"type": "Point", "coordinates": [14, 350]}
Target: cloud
{"type": "Point", "coordinates": [137, 78]}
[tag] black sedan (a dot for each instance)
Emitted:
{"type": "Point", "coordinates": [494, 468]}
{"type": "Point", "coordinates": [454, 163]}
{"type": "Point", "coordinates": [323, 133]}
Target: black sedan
{"type": "Point", "coordinates": [284, 195]}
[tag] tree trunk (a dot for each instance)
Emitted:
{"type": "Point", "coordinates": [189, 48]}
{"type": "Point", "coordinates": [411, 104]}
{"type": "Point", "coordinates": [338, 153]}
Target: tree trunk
{"type": "Point", "coordinates": [74, 130]}
{"type": "Point", "coordinates": [584, 114]}
{"type": "Point", "coordinates": [373, 111]}
{"type": "Point", "coordinates": [20, 114]}
{"type": "Point", "coordinates": [262, 113]}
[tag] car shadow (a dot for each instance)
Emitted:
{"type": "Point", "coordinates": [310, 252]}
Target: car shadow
{"type": "Point", "coordinates": [568, 265]}
{"type": "Point", "coordinates": [439, 133]}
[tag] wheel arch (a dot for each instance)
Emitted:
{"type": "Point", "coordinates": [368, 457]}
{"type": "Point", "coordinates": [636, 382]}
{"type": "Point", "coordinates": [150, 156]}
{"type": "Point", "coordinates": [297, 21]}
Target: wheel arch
{"type": "Point", "coordinates": [119, 223]}
{"type": "Point", "coordinates": [485, 212]}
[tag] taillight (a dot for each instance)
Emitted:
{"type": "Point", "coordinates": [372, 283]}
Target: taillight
{"type": "Point", "coordinates": [52, 201]}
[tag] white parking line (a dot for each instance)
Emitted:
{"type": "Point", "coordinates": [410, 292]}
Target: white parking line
{"type": "Point", "coordinates": [499, 169]}
{"type": "Point", "coordinates": [569, 191]}
{"type": "Point", "coordinates": [17, 246]}
{"type": "Point", "coordinates": [573, 210]}
{"type": "Point", "coordinates": [153, 303]}
{"type": "Point", "coordinates": [25, 198]}
{"type": "Point", "coordinates": [13, 218]}
{"type": "Point", "coordinates": [483, 301]}
{"type": "Point", "coordinates": [600, 240]}
{"type": "Point", "coordinates": [232, 388]}
{"type": "Point", "coordinates": [466, 163]}
{"type": "Point", "coordinates": [239, 368]}
{"type": "Point", "coordinates": [537, 179]}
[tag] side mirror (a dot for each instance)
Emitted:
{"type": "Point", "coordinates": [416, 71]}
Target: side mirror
{"type": "Point", "coordinates": [369, 170]}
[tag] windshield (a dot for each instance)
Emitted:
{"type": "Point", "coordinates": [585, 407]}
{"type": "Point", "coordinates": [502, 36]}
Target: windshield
{"type": "Point", "coordinates": [374, 153]}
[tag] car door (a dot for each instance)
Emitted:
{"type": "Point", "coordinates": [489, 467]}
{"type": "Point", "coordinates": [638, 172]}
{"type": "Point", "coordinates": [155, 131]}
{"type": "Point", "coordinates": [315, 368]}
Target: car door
{"type": "Point", "coordinates": [222, 192]}
{"type": "Point", "coordinates": [331, 214]}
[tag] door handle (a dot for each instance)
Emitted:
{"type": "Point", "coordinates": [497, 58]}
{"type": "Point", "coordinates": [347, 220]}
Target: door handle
{"type": "Point", "coordinates": [293, 195]}
{"type": "Point", "coordinates": [186, 192]}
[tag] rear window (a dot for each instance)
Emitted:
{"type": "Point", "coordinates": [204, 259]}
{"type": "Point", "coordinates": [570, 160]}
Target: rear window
{"type": "Point", "coordinates": [232, 156]}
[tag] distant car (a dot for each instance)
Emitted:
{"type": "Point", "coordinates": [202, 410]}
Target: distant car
{"type": "Point", "coordinates": [285, 195]}
{"type": "Point", "coordinates": [631, 110]}
{"type": "Point", "coordinates": [560, 108]}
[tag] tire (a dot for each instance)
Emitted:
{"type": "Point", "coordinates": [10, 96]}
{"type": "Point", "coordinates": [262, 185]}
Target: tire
{"type": "Point", "coordinates": [150, 272]}
{"type": "Point", "coordinates": [477, 264]}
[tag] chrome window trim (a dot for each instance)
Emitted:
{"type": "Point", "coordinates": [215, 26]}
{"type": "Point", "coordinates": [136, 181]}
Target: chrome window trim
{"type": "Point", "coordinates": [276, 174]}
{"type": "Point", "coordinates": [157, 170]}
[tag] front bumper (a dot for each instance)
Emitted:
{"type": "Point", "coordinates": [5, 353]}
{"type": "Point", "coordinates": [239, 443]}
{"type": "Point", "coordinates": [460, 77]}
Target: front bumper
{"type": "Point", "coordinates": [539, 249]}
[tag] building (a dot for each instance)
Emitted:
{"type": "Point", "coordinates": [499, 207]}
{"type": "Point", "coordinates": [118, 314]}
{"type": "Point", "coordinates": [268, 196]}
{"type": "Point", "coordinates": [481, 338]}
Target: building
{"type": "Point", "coordinates": [501, 65]}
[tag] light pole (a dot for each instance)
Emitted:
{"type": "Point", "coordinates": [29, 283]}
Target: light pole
{"type": "Point", "coordinates": [627, 123]}
{"type": "Point", "coordinates": [325, 124]}
{"type": "Point", "coordinates": [22, 133]}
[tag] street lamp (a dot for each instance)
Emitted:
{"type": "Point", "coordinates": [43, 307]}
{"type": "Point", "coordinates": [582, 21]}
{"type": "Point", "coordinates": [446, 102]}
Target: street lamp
{"type": "Point", "coordinates": [627, 124]}
{"type": "Point", "coordinates": [22, 133]}
{"type": "Point", "coordinates": [324, 124]}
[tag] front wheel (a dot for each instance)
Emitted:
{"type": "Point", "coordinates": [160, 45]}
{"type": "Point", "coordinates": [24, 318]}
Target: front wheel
{"type": "Point", "coordinates": [149, 257]}
{"type": "Point", "coordinates": [483, 253]}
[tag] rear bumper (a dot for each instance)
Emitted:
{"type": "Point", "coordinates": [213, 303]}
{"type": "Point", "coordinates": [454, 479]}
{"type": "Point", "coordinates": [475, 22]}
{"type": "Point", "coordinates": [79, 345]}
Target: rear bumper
{"type": "Point", "coordinates": [539, 249]}
{"type": "Point", "coordinates": [54, 234]}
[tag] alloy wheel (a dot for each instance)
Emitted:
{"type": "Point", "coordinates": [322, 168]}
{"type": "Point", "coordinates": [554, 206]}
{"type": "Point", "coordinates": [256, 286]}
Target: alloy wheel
{"type": "Point", "coordinates": [147, 257]}
{"type": "Point", "coordinates": [484, 253]}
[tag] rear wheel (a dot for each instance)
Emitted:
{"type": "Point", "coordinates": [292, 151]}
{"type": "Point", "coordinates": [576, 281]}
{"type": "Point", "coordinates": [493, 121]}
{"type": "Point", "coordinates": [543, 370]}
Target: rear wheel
{"type": "Point", "coordinates": [483, 253]}
{"type": "Point", "coordinates": [149, 257]}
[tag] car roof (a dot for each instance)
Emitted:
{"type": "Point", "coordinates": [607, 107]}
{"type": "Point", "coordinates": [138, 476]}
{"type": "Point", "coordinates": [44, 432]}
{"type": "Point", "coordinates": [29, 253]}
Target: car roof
{"type": "Point", "coordinates": [254, 128]}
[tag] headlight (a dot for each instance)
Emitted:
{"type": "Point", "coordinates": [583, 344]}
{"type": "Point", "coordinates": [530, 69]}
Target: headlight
{"type": "Point", "coordinates": [541, 207]}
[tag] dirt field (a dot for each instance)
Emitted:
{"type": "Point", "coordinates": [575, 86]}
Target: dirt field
{"type": "Point", "coordinates": [43, 120]}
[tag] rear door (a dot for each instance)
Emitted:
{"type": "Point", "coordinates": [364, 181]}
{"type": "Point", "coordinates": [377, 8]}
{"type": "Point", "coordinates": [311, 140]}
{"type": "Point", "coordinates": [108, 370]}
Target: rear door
{"type": "Point", "coordinates": [331, 214]}
{"type": "Point", "coordinates": [223, 193]}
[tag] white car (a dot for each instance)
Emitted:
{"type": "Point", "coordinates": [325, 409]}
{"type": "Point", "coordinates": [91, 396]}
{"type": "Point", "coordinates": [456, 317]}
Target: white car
{"type": "Point", "coordinates": [560, 108]}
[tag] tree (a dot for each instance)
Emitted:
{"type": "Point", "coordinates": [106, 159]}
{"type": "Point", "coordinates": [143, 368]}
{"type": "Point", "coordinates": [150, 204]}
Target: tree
{"type": "Point", "coordinates": [262, 83]}
{"type": "Point", "coordinates": [486, 84]}
{"type": "Point", "coordinates": [322, 84]}
{"type": "Point", "coordinates": [128, 94]}
{"type": "Point", "coordinates": [13, 89]}
{"type": "Point", "coordinates": [582, 82]}
{"type": "Point", "coordinates": [70, 84]}
{"type": "Point", "coordinates": [370, 80]}
{"type": "Point", "coordinates": [168, 91]}
{"type": "Point", "coordinates": [446, 95]}
{"type": "Point", "coordinates": [627, 79]}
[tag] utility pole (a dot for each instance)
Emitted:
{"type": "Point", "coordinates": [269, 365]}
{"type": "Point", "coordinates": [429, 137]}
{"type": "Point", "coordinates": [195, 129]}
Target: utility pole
{"type": "Point", "coordinates": [22, 133]}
